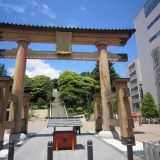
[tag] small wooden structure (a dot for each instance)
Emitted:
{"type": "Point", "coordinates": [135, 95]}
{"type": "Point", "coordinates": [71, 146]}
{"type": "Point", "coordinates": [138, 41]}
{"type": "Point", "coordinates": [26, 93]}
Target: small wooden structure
{"type": "Point", "coordinates": [64, 139]}
{"type": "Point", "coordinates": [124, 110]}
{"type": "Point", "coordinates": [5, 98]}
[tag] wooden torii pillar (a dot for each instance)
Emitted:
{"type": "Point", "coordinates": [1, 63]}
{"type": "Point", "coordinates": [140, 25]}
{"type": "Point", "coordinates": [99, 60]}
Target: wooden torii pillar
{"type": "Point", "coordinates": [97, 112]}
{"type": "Point", "coordinates": [124, 110]}
{"type": "Point", "coordinates": [25, 111]}
{"type": "Point", "coordinates": [105, 88]}
{"type": "Point", "coordinates": [18, 86]}
{"type": "Point", "coordinates": [4, 93]}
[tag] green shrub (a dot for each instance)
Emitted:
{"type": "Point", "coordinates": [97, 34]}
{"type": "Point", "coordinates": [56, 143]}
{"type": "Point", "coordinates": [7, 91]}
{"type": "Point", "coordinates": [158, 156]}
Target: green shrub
{"type": "Point", "coordinates": [115, 107]}
{"type": "Point", "coordinates": [70, 109]}
{"type": "Point", "coordinates": [48, 112]}
{"type": "Point", "coordinates": [43, 107]}
{"type": "Point", "coordinates": [35, 107]}
{"type": "Point", "coordinates": [41, 101]}
{"type": "Point", "coordinates": [87, 115]}
{"type": "Point", "coordinates": [30, 115]}
{"type": "Point", "coordinates": [79, 109]}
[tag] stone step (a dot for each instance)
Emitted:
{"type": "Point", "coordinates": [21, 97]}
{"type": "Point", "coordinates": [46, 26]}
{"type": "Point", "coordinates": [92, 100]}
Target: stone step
{"type": "Point", "coordinates": [58, 109]}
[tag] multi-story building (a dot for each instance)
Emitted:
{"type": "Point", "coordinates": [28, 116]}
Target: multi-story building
{"type": "Point", "coordinates": [147, 25]}
{"type": "Point", "coordinates": [133, 72]}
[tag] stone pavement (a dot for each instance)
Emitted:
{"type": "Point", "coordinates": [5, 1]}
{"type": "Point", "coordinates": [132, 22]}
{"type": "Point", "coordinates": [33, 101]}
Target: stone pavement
{"type": "Point", "coordinates": [35, 148]}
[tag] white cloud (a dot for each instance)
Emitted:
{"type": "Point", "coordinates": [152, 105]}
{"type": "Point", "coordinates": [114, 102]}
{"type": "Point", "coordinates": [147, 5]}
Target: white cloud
{"type": "Point", "coordinates": [83, 8]}
{"type": "Point", "coordinates": [45, 7]}
{"type": "Point", "coordinates": [39, 67]}
{"type": "Point", "coordinates": [11, 70]}
{"type": "Point", "coordinates": [48, 12]}
{"type": "Point", "coordinates": [16, 8]}
{"type": "Point", "coordinates": [33, 3]}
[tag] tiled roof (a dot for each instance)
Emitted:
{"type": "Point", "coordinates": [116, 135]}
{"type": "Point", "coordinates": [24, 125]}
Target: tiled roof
{"type": "Point", "coordinates": [65, 29]}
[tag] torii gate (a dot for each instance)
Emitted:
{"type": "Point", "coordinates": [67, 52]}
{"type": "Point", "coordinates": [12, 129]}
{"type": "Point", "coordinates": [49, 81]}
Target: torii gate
{"type": "Point", "coordinates": [64, 38]}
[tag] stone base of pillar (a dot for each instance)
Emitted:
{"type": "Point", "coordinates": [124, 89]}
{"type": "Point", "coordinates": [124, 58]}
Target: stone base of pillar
{"type": "Point", "coordinates": [109, 134]}
{"type": "Point", "coordinates": [14, 137]}
{"type": "Point", "coordinates": [1, 145]}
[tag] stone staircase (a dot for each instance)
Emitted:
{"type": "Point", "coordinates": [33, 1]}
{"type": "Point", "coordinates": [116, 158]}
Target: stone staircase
{"type": "Point", "coordinates": [57, 109]}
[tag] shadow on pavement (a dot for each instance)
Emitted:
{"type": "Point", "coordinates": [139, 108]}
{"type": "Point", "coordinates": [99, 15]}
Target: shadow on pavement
{"type": "Point", "coordinates": [83, 134]}
{"type": "Point", "coordinates": [43, 135]}
{"type": "Point", "coordinates": [137, 132]}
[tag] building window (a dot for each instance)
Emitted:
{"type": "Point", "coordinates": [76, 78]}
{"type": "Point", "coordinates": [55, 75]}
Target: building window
{"type": "Point", "coordinates": [155, 36]}
{"type": "Point", "coordinates": [149, 6]}
{"type": "Point", "coordinates": [131, 66]}
{"type": "Point", "coordinates": [135, 97]}
{"type": "Point", "coordinates": [135, 106]}
{"type": "Point", "coordinates": [153, 22]}
{"type": "Point", "coordinates": [134, 89]}
{"type": "Point", "coordinates": [134, 81]}
{"type": "Point", "coordinates": [132, 74]}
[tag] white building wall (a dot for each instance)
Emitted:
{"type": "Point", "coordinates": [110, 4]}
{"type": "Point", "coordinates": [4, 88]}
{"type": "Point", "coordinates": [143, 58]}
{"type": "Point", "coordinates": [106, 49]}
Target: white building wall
{"type": "Point", "coordinates": [145, 48]}
{"type": "Point", "coordinates": [134, 101]}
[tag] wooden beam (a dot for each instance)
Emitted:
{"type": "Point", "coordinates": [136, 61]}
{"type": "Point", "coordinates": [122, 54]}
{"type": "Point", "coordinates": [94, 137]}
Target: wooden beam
{"type": "Point", "coordinates": [4, 103]}
{"type": "Point", "coordinates": [40, 34]}
{"type": "Point", "coordinates": [51, 55]}
{"type": "Point", "coordinates": [112, 122]}
{"type": "Point", "coordinates": [13, 98]}
{"type": "Point", "coordinates": [22, 122]}
{"type": "Point", "coordinates": [9, 124]}
{"type": "Point", "coordinates": [2, 85]}
{"type": "Point", "coordinates": [124, 111]}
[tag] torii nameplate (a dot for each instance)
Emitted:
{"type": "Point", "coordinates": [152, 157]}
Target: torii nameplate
{"type": "Point", "coordinates": [64, 42]}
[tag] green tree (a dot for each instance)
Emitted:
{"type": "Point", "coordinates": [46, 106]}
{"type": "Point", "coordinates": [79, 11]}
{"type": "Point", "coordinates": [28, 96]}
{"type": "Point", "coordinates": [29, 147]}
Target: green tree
{"type": "Point", "coordinates": [95, 73]}
{"type": "Point", "coordinates": [76, 90]}
{"type": "Point", "coordinates": [3, 71]}
{"type": "Point", "coordinates": [41, 87]}
{"type": "Point", "coordinates": [27, 84]}
{"type": "Point", "coordinates": [113, 74]}
{"type": "Point", "coordinates": [149, 109]}
{"type": "Point", "coordinates": [115, 107]}
{"type": "Point", "coordinates": [41, 101]}
{"type": "Point", "coordinates": [86, 74]}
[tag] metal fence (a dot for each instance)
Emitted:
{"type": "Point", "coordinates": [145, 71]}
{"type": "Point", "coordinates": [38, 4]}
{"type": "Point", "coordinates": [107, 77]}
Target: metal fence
{"type": "Point", "coordinates": [151, 150]}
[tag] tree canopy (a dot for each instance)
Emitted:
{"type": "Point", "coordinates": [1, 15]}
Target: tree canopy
{"type": "Point", "coordinates": [76, 90]}
{"type": "Point", "coordinates": [95, 74]}
{"type": "Point", "coordinates": [149, 109]}
{"type": "Point", "coordinates": [40, 87]}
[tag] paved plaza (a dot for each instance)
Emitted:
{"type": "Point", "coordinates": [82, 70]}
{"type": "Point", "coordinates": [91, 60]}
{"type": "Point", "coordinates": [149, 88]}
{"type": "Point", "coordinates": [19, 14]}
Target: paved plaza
{"type": "Point", "coordinates": [36, 148]}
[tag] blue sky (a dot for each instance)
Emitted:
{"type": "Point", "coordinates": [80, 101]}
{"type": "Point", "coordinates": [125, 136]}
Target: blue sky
{"type": "Point", "coordinates": [109, 14]}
